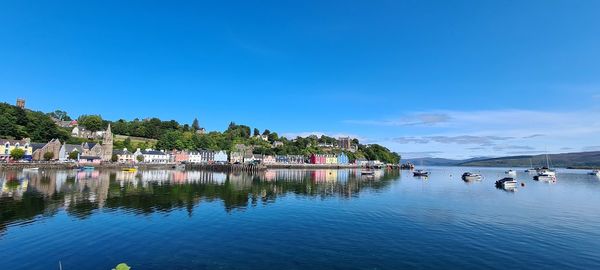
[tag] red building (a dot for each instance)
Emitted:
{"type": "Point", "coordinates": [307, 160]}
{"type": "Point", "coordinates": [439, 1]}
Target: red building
{"type": "Point", "coordinates": [318, 159]}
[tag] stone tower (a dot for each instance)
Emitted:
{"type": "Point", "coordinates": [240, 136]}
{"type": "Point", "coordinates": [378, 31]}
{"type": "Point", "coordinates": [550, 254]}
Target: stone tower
{"type": "Point", "coordinates": [107, 145]}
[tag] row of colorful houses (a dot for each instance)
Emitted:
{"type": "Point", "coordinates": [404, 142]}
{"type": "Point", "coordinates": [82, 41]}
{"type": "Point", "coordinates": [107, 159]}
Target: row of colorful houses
{"type": "Point", "coordinates": [329, 159]}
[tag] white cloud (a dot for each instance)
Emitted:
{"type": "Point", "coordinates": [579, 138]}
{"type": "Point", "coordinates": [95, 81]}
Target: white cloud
{"type": "Point", "coordinates": [496, 133]}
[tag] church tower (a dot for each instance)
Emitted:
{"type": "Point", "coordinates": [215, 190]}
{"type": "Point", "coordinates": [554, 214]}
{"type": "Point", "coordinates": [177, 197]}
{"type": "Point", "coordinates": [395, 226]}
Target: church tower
{"type": "Point", "coordinates": [107, 145]}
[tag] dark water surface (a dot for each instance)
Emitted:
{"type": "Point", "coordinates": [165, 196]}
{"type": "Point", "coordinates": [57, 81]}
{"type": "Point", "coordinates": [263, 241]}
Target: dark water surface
{"type": "Point", "coordinates": [296, 219]}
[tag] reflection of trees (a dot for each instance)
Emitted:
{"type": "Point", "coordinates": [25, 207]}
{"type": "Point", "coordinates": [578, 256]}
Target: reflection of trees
{"type": "Point", "coordinates": [81, 193]}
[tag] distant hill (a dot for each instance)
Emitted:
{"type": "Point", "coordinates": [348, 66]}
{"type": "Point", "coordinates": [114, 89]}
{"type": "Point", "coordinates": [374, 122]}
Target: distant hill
{"type": "Point", "coordinates": [441, 161]}
{"type": "Point", "coordinates": [573, 160]}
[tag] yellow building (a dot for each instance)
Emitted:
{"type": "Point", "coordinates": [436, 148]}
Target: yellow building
{"type": "Point", "coordinates": [331, 159]}
{"type": "Point", "coordinates": [6, 146]}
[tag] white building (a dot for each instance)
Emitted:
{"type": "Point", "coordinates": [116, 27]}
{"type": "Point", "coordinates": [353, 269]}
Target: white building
{"type": "Point", "coordinates": [221, 157]}
{"type": "Point", "coordinates": [152, 156]}
{"type": "Point", "coordinates": [203, 157]}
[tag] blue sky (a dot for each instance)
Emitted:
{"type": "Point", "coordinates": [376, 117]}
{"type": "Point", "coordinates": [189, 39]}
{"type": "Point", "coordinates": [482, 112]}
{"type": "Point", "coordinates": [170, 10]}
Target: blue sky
{"type": "Point", "coordinates": [426, 78]}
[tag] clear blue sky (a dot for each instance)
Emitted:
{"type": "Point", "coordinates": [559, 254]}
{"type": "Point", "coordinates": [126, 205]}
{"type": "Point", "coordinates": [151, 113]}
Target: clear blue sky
{"type": "Point", "coordinates": [425, 78]}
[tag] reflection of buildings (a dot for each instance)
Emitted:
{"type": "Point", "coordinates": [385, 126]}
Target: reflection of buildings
{"type": "Point", "coordinates": [81, 192]}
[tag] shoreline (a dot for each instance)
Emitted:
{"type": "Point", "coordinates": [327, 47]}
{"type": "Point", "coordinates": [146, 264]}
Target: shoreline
{"type": "Point", "coordinates": [211, 167]}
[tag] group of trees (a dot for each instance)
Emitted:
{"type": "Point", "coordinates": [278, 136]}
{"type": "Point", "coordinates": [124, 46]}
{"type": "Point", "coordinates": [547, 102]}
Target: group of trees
{"type": "Point", "coordinates": [18, 123]}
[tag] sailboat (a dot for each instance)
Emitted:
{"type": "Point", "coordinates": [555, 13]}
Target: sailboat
{"type": "Point", "coordinates": [531, 169]}
{"type": "Point", "coordinates": [545, 173]}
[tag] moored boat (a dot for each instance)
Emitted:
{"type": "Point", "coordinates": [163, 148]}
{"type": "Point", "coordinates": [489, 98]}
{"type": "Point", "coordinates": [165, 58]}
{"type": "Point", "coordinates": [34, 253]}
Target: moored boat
{"type": "Point", "coordinates": [129, 169]}
{"type": "Point", "coordinates": [506, 183]}
{"type": "Point", "coordinates": [595, 172]}
{"type": "Point", "coordinates": [367, 172]}
{"type": "Point", "coordinates": [469, 176]}
{"type": "Point", "coordinates": [511, 172]}
{"type": "Point", "coordinates": [421, 173]}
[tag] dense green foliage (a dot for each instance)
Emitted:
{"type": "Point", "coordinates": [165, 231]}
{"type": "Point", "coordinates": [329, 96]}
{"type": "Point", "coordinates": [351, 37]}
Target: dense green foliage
{"type": "Point", "coordinates": [48, 156]}
{"type": "Point", "coordinates": [19, 123]}
{"type": "Point", "coordinates": [17, 154]}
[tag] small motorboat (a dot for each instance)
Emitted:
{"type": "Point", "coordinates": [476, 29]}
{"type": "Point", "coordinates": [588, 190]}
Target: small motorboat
{"type": "Point", "coordinates": [507, 183]}
{"type": "Point", "coordinates": [132, 169]}
{"type": "Point", "coordinates": [595, 172]}
{"type": "Point", "coordinates": [548, 176]}
{"type": "Point", "coordinates": [511, 172]}
{"type": "Point", "coordinates": [468, 176]}
{"type": "Point", "coordinates": [367, 172]}
{"type": "Point", "coordinates": [420, 173]}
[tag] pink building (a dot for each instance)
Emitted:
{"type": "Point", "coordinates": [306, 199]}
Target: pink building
{"type": "Point", "coordinates": [180, 156]}
{"type": "Point", "coordinates": [318, 159]}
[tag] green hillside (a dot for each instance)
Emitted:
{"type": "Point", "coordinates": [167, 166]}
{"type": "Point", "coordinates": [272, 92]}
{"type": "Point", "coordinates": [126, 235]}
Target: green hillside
{"type": "Point", "coordinates": [571, 160]}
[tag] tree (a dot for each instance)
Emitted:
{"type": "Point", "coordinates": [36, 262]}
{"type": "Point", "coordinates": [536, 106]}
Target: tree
{"type": "Point", "coordinates": [140, 158]}
{"type": "Point", "coordinates": [74, 155]}
{"type": "Point", "coordinates": [266, 132]}
{"type": "Point", "coordinates": [17, 154]}
{"type": "Point", "coordinates": [195, 124]}
{"type": "Point", "coordinates": [256, 132]}
{"type": "Point", "coordinates": [48, 156]}
{"type": "Point", "coordinates": [60, 115]}
{"type": "Point", "coordinates": [91, 122]}
{"type": "Point", "coordinates": [114, 158]}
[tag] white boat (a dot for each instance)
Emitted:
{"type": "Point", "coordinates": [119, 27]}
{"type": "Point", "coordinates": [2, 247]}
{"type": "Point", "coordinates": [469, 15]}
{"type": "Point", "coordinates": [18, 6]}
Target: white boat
{"type": "Point", "coordinates": [511, 172]}
{"type": "Point", "coordinates": [420, 173]}
{"type": "Point", "coordinates": [468, 176]}
{"type": "Point", "coordinates": [595, 172]}
{"type": "Point", "coordinates": [545, 173]}
{"type": "Point", "coordinates": [531, 169]}
{"type": "Point", "coordinates": [507, 183]}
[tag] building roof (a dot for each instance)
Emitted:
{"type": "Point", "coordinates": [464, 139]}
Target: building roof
{"type": "Point", "coordinates": [152, 152]}
{"type": "Point", "coordinates": [122, 152]}
{"type": "Point", "coordinates": [36, 146]}
{"type": "Point", "coordinates": [89, 157]}
{"type": "Point", "coordinates": [12, 142]}
{"type": "Point", "coordinates": [72, 147]}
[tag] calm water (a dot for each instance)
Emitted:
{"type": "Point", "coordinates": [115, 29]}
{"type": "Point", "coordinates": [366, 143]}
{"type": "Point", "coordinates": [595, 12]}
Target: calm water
{"type": "Point", "coordinates": [296, 219]}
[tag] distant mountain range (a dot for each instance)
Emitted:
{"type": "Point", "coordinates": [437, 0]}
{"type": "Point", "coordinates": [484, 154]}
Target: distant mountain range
{"type": "Point", "coordinates": [566, 160]}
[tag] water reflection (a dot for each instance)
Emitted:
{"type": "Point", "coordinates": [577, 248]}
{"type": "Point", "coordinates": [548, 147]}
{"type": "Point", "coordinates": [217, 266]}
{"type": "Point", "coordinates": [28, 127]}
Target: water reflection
{"type": "Point", "coordinates": [26, 196]}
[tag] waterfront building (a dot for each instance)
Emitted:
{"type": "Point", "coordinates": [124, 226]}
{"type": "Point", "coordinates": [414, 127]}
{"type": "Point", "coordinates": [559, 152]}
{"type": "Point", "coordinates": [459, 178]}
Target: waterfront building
{"type": "Point", "coordinates": [124, 156]}
{"type": "Point", "coordinates": [362, 162]}
{"type": "Point", "coordinates": [281, 159]}
{"type": "Point", "coordinates": [342, 159]}
{"type": "Point", "coordinates": [236, 157]}
{"type": "Point", "coordinates": [220, 157]}
{"type": "Point", "coordinates": [318, 159]}
{"type": "Point", "coordinates": [253, 158]}
{"type": "Point", "coordinates": [67, 149]}
{"type": "Point", "coordinates": [53, 146]}
{"type": "Point", "coordinates": [178, 156]}
{"type": "Point", "coordinates": [296, 159]}
{"type": "Point", "coordinates": [202, 157]}
{"type": "Point", "coordinates": [331, 159]}
{"type": "Point", "coordinates": [269, 159]}
{"type": "Point", "coordinates": [6, 146]}
{"type": "Point", "coordinates": [152, 156]}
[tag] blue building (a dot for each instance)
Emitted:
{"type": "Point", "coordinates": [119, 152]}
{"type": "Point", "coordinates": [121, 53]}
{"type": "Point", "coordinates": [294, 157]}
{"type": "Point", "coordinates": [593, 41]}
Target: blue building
{"type": "Point", "coordinates": [342, 159]}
